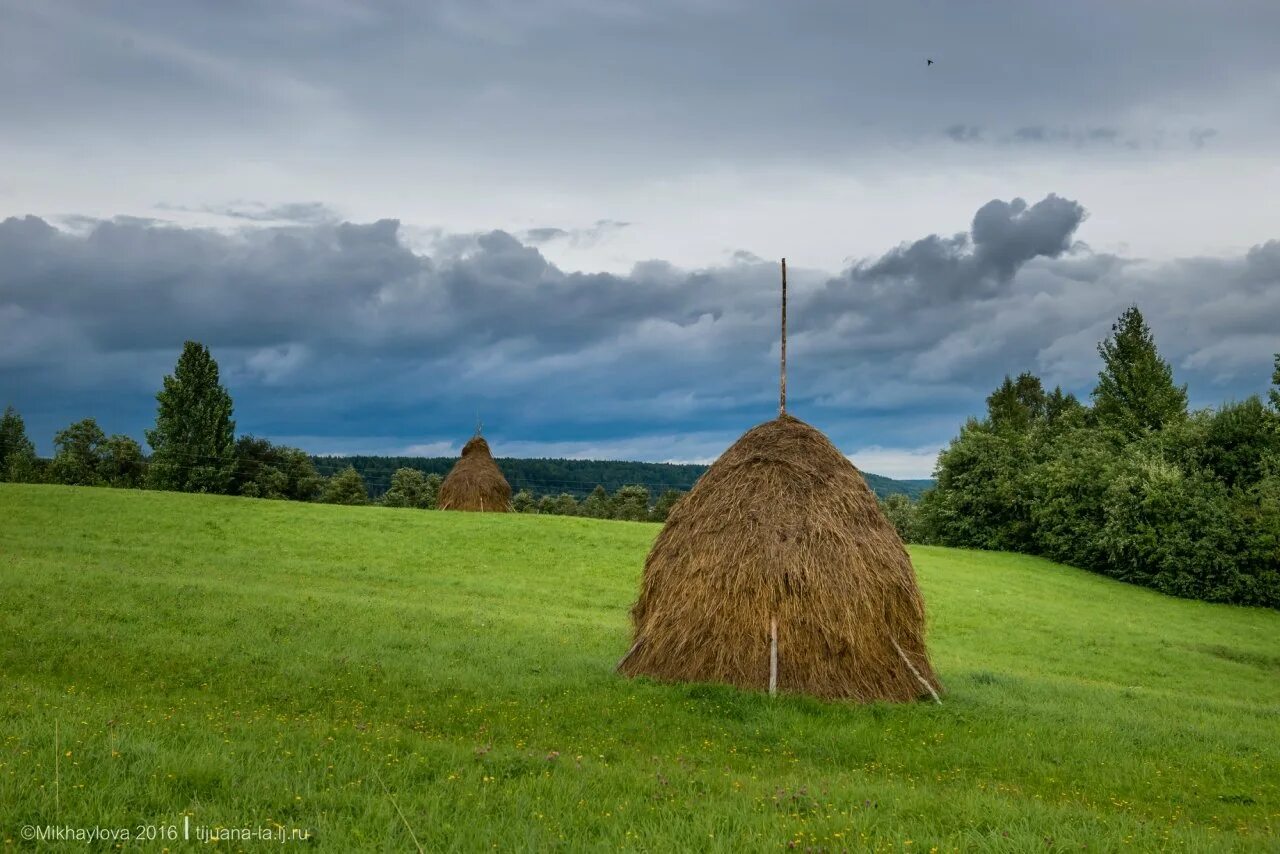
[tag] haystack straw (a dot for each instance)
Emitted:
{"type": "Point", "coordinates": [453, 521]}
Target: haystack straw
{"type": "Point", "coordinates": [475, 483]}
{"type": "Point", "coordinates": [781, 538]}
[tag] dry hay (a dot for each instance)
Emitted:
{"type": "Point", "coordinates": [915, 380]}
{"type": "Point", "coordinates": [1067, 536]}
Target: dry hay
{"type": "Point", "coordinates": [782, 527]}
{"type": "Point", "coordinates": [475, 483]}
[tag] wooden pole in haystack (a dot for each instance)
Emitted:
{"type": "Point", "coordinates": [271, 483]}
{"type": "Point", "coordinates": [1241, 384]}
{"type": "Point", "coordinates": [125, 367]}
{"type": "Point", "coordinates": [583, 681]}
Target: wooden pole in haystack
{"type": "Point", "coordinates": [773, 656]}
{"type": "Point", "coordinates": [916, 673]}
{"type": "Point", "coordinates": [782, 410]}
{"type": "Point", "coordinates": [782, 390]}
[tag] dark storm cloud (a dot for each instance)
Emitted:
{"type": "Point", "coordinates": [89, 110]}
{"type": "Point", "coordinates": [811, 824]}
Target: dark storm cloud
{"type": "Point", "coordinates": [356, 284]}
{"type": "Point", "coordinates": [975, 264]}
{"type": "Point", "coordinates": [342, 330]}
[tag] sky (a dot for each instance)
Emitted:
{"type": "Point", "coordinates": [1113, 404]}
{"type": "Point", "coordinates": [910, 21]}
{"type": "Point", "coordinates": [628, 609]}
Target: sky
{"type": "Point", "coordinates": [565, 217]}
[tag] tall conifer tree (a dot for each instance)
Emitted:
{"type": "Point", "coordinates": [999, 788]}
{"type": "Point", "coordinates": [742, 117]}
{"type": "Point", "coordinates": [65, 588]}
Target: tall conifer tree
{"type": "Point", "coordinates": [1135, 392]}
{"type": "Point", "coordinates": [193, 442]}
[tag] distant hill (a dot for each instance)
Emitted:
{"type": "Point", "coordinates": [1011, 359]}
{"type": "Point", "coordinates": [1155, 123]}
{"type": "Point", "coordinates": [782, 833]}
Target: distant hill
{"type": "Point", "coordinates": [576, 477]}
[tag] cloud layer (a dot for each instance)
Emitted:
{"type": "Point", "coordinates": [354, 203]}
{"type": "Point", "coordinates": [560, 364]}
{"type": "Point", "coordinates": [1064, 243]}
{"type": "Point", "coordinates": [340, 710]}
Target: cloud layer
{"type": "Point", "coordinates": [341, 334]}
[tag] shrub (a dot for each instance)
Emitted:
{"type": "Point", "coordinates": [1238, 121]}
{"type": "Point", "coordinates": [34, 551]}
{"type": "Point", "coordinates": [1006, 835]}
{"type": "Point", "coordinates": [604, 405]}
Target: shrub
{"type": "Point", "coordinates": [901, 513]}
{"type": "Point", "coordinates": [345, 487]}
{"type": "Point", "coordinates": [409, 488]}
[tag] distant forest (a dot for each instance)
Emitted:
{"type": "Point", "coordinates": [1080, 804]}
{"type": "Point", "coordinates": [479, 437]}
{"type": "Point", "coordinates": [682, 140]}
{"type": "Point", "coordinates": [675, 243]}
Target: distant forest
{"type": "Point", "coordinates": [575, 477]}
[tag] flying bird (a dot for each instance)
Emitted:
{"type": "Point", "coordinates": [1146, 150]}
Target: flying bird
{"type": "Point", "coordinates": [928, 62]}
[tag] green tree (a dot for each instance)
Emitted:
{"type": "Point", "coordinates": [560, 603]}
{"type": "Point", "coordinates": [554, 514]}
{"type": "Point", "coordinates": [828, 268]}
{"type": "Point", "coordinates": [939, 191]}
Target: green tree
{"type": "Point", "coordinates": [666, 501]}
{"type": "Point", "coordinates": [1171, 529]}
{"type": "Point", "coordinates": [432, 490]}
{"type": "Point", "coordinates": [1017, 404]}
{"type": "Point", "coordinates": [1274, 394]}
{"type": "Point", "coordinates": [901, 513]}
{"type": "Point", "coordinates": [1063, 410]}
{"type": "Point", "coordinates": [597, 505]}
{"type": "Point", "coordinates": [1067, 489]}
{"type": "Point", "coordinates": [523, 502]}
{"type": "Point", "coordinates": [1138, 488]}
{"type": "Point", "coordinates": [17, 454]}
{"type": "Point", "coordinates": [304, 482]}
{"type": "Point", "coordinates": [1135, 392]}
{"type": "Point", "coordinates": [77, 458]}
{"type": "Point", "coordinates": [193, 442]}
{"type": "Point", "coordinates": [345, 487]}
{"type": "Point", "coordinates": [122, 464]}
{"type": "Point", "coordinates": [981, 499]}
{"type": "Point", "coordinates": [1237, 440]}
{"type": "Point", "coordinates": [408, 489]}
{"type": "Point", "coordinates": [631, 503]}
{"type": "Point", "coordinates": [256, 473]}
{"type": "Point", "coordinates": [1259, 512]}
{"type": "Point", "coordinates": [264, 470]}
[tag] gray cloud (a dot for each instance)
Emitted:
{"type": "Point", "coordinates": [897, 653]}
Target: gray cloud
{"type": "Point", "coordinates": [456, 115]}
{"type": "Point", "coordinates": [544, 235]}
{"type": "Point", "coordinates": [1078, 137]}
{"type": "Point", "coordinates": [1037, 133]}
{"type": "Point", "coordinates": [341, 330]}
{"type": "Point", "coordinates": [1047, 136]}
{"type": "Point", "coordinates": [964, 133]}
{"type": "Point", "coordinates": [577, 237]}
{"type": "Point", "coordinates": [976, 264]}
{"type": "Point", "coordinates": [547, 114]}
{"type": "Point", "coordinates": [290, 212]}
{"type": "Point", "coordinates": [577, 82]}
{"type": "Point", "coordinates": [1200, 136]}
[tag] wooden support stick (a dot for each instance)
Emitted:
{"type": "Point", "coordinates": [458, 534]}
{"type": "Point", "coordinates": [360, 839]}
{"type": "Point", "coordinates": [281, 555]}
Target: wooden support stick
{"type": "Point", "coordinates": [630, 652]}
{"type": "Point", "coordinates": [782, 389]}
{"type": "Point", "coordinates": [773, 656]}
{"type": "Point", "coordinates": [57, 776]}
{"type": "Point", "coordinates": [916, 673]}
{"type": "Point", "coordinates": [390, 797]}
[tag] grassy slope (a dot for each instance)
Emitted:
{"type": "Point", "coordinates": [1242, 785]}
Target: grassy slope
{"type": "Point", "coordinates": [249, 662]}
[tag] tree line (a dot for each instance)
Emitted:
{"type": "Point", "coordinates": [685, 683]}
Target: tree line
{"type": "Point", "coordinates": [1132, 485]}
{"type": "Point", "coordinates": [578, 478]}
{"type": "Point", "coordinates": [193, 446]}
{"type": "Point", "coordinates": [540, 476]}
{"type": "Point", "coordinates": [410, 487]}
{"type": "Point", "coordinates": [195, 449]}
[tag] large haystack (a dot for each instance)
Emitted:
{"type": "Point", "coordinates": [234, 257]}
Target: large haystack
{"type": "Point", "coordinates": [782, 528]}
{"type": "Point", "coordinates": [475, 483]}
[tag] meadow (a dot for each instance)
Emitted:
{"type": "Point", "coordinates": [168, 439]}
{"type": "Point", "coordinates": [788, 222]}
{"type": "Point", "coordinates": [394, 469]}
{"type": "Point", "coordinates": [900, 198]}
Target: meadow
{"type": "Point", "coordinates": [390, 680]}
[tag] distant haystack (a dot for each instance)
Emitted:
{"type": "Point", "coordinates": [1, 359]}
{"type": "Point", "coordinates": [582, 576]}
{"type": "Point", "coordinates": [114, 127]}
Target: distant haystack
{"type": "Point", "coordinates": [475, 483]}
{"type": "Point", "coordinates": [778, 571]}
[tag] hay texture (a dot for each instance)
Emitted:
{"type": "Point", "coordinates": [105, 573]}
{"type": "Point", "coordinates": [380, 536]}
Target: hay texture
{"type": "Point", "coordinates": [782, 527]}
{"type": "Point", "coordinates": [475, 483]}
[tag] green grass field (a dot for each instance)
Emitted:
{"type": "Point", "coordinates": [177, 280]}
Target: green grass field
{"type": "Point", "coordinates": [375, 676]}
